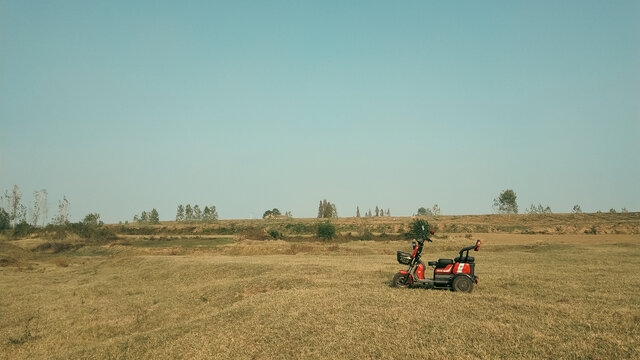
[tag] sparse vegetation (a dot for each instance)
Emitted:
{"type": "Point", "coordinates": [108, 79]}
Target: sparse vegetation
{"type": "Point", "coordinates": [150, 217]}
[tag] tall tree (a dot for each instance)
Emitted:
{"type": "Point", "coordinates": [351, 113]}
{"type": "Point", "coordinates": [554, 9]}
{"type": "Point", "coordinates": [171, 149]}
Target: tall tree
{"type": "Point", "coordinates": [154, 217]}
{"type": "Point", "coordinates": [435, 210]}
{"type": "Point", "coordinates": [357, 211]}
{"type": "Point", "coordinates": [63, 212]}
{"type": "Point", "coordinates": [377, 211]}
{"type": "Point", "coordinates": [320, 210]}
{"type": "Point", "coordinates": [214, 212]}
{"type": "Point", "coordinates": [45, 207]}
{"type": "Point", "coordinates": [188, 212]}
{"type": "Point", "coordinates": [180, 213]}
{"type": "Point", "coordinates": [576, 209]}
{"type": "Point", "coordinates": [38, 212]}
{"type": "Point", "coordinates": [506, 202]}
{"type": "Point", "coordinates": [144, 217]}
{"type": "Point", "coordinates": [388, 212]}
{"type": "Point", "coordinates": [13, 205]}
{"type": "Point", "coordinates": [197, 213]}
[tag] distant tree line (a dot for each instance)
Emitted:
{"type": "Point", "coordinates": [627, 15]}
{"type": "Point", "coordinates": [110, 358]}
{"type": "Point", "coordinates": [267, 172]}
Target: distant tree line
{"type": "Point", "coordinates": [539, 209]}
{"type": "Point", "coordinates": [188, 213]}
{"type": "Point", "coordinates": [147, 217]}
{"type": "Point", "coordinates": [379, 212]}
{"type": "Point", "coordinates": [327, 210]}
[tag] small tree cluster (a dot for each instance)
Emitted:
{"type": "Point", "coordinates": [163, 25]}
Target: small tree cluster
{"type": "Point", "coordinates": [147, 217]}
{"type": "Point", "coordinates": [271, 213]}
{"type": "Point", "coordinates": [538, 209]}
{"type": "Point", "coordinates": [434, 211]}
{"type": "Point", "coordinates": [17, 212]}
{"type": "Point", "coordinates": [576, 209]}
{"type": "Point", "coordinates": [327, 210]}
{"type": "Point", "coordinates": [92, 219]}
{"type": "Point", "coordinates": [188, 213]}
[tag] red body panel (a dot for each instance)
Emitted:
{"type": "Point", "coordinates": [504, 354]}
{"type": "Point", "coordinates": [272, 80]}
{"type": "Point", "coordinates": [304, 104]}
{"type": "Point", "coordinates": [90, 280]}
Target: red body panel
{"type": "Point", "coordinates": [420, 272]}
{"type": "Point", "coordinates": [446, 270]}
{"type": "Point", "coordinates": [461, 268]}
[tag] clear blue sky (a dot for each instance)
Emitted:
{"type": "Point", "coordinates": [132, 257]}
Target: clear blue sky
{"type": "Point", "coordinates": [129, 105]}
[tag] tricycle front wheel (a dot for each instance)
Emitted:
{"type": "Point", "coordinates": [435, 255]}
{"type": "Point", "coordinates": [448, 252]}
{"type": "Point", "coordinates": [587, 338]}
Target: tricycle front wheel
{"type": "Point", "coordinates": [400, 280]}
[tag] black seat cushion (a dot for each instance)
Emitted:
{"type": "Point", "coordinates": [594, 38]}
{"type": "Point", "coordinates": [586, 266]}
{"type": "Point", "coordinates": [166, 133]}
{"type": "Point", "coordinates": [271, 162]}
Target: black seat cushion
{"type": "Point", "coordinates": [444, 262]}
{"type": "Point", "coordinates": [468, 259]}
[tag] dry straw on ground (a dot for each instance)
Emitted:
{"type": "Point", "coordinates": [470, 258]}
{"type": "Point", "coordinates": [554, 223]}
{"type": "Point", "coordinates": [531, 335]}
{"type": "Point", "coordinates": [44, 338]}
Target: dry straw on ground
{"type": "Point", "coordinates": [540, 296]}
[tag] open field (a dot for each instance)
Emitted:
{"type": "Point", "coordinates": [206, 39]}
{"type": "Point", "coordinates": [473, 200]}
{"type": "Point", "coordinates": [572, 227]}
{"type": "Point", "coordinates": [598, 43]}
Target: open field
{"type": "Point", "coordinates": [199, 293]}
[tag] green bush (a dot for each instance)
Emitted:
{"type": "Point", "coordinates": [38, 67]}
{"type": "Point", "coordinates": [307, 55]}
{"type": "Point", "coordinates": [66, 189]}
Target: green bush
{"type": "Point", "coordinates": [275, 234]}
{"type": "Point", "coordinates": [416, 229]}
{"type": "Point", "coordinates": [326, 230]}
{"type": "Point", "coordinates": [5, 222]}
{"type": "Point", "coordinates": [23, 229]}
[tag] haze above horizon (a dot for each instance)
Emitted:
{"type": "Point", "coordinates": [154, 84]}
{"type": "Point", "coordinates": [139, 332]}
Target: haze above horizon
{"type": "Point", "coordinates": [127, 106]}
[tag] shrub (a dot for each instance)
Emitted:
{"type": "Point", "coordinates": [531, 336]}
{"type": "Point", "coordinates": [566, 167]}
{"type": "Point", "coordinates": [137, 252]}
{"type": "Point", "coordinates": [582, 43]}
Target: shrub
{"type": "Point", "coordinates": [326, 230]}
{"type": "Point", "coordinates": [299, 228]}
{"type": "Point", "coordinates": [5, 222]}
{"type": "Point", "coordinates": [418, 229]}
{"type": "Point", "coordinates": [274, 234]}
{"type": "Point", "coordinates": [23, 229]}
{"type": "Point", "coordinates": [365, 232]}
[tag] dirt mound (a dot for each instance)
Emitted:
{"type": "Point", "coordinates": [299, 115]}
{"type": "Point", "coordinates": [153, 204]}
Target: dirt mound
{"type": "Point", "coordinates": [11, 255]}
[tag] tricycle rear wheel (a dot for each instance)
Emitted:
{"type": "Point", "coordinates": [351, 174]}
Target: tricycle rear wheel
{"type": "Point", "coordinates": [462, 284]}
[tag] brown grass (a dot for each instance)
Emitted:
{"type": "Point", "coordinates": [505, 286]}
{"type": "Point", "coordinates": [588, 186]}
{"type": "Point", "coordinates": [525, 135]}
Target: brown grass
{"type": "Point", "coordinates": [61, 261]}
{"type": "Point", "coordinates": [540, 296]}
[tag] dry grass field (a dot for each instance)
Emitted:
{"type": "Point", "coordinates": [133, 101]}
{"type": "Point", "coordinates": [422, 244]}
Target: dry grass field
{"type": "Point", "coordinates": [542, 294]}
